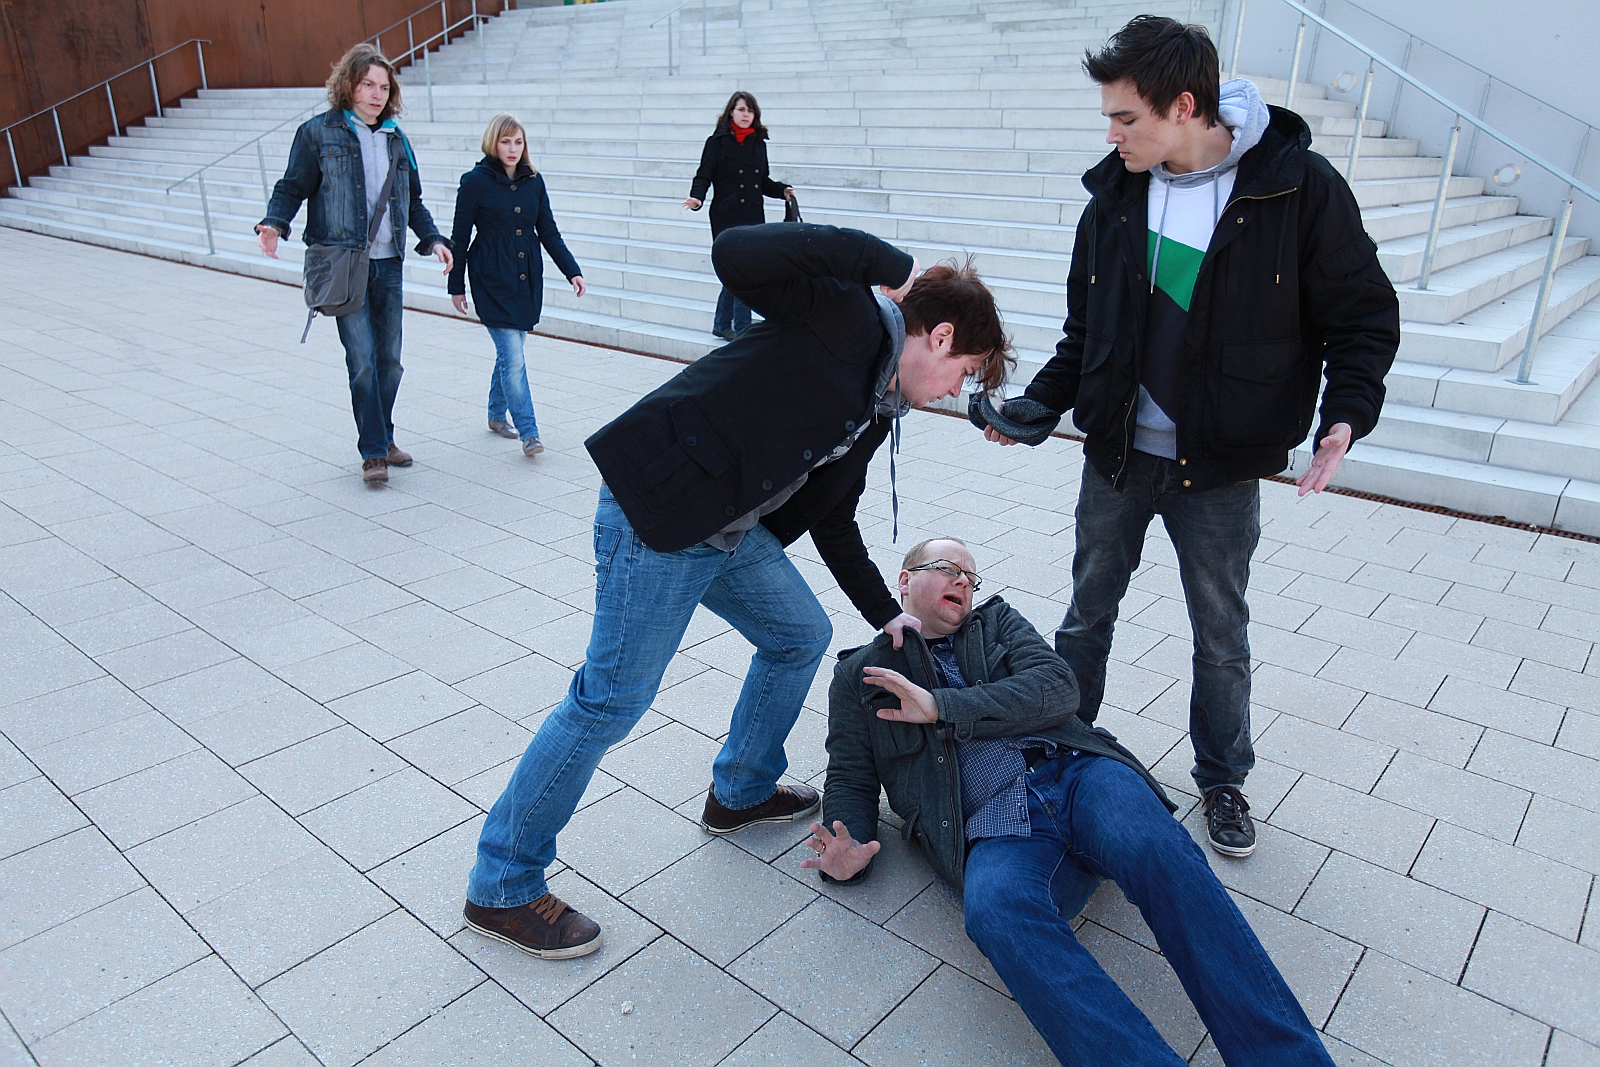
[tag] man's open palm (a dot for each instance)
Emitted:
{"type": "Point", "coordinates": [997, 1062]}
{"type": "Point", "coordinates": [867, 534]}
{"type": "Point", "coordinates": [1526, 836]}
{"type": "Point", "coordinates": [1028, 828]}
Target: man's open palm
{"type": "Point", "coordinates": [838, 855]}
{"type": "Point", "coordinates": [916, 703]}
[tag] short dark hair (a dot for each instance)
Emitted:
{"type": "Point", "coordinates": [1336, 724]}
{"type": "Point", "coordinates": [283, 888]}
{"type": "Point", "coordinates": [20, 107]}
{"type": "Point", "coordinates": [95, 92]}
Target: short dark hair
{"type": "Point", "coordinates": [725, 120]}
{"type": "Point", "coordinates": [953, 293]}
{"type": "Point", "coordinates": [350, 68]}
{"type": "Point", "coordinates": [1163, 58]}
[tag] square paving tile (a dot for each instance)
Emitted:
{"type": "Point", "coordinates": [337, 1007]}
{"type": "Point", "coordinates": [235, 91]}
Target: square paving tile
{"type": "Point", "coordinates": [60, 880]}
{"type": "Point", "coordinates": [134, 809]}
{"type": "Point", "coordinates": [430, 880]}
{"type": "Point", "coordinates": [670, 765]}
{"type": "Point", "coordinates": [1519, 883]}
{"type": "Point", "coordinates": [954, 1020]}
{"type": "Point", "coordinates": [785, 1042]}
{"type": "Point", "coordinates": [387, 817]}
{"type": "Point", "coordinates": [465, 744]}
{"type": "Point", "coordinates": [487, 1026]}
{"type": "Point", "coordinates": [35, 812]}
{"type": "Point", "coordinates": [321, 768]}
{"type": "Point", "coordinates": [400, 705]}
{"type": "Point", "coordinates": [620, 841]}
{"type": "Point", "coordinates": [934, 923]}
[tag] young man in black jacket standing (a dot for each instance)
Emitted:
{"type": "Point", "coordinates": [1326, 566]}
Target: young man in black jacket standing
{"type": "Point", "coordinates": [706, 480]}
{"type": "Point", "coordinates": [1218, 273]}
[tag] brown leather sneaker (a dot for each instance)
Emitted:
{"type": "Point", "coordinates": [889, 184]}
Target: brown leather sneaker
{"type": "Point", "coordinates": [790, 802]}
{"type": "Point", "coordinates": [546, 928]}
{"type": "Point", "coordinates": [375, 471]}
{"type": "Point", "coordinates": [398, 458]}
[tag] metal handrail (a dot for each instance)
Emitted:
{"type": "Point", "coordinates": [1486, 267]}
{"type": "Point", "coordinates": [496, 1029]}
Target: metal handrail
{"type": "Point", "coordinates": [1574, 184]}
{"type": "Point", "coordinates": [200, 52]}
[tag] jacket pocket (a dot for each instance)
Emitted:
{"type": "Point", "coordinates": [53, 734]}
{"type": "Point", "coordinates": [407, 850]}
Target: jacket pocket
{"type": "Point", "coordinates": [696, 452]}
{"type": "Point", "coordinates": [1096, 350]}
{"type": "Point", "coordinates": [1255, 402]}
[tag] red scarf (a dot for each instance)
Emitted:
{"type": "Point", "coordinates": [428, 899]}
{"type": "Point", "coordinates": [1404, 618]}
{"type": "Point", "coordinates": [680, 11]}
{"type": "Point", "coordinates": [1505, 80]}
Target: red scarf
{"type": "Point", "coordinates": [739, 134]}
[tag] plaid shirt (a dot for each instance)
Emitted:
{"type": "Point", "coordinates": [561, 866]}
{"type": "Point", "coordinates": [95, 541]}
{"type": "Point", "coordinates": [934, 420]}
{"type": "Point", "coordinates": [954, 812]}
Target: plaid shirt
{"type": "Point", "coordinates": [994, 791]}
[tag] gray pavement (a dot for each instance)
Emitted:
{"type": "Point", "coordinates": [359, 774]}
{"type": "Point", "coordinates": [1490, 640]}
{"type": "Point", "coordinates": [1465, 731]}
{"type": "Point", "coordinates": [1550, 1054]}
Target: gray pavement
{"type": "Point", "coordinates": [252, 713]}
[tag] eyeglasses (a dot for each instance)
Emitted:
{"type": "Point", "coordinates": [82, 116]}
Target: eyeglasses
{"type": "Point", "coordinates": [950, 570]}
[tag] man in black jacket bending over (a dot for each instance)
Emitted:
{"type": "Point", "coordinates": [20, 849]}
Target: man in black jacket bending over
{"type": "Point", "coordinates": [971, 728]}
{"type": "Point", "coordinates": [705, 481]}
{"type": "Point", "coordinates": [1218, 273]}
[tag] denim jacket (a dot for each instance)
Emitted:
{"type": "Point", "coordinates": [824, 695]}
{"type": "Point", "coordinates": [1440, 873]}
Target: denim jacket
{"type": "Point", "coordinates": [325, 169]}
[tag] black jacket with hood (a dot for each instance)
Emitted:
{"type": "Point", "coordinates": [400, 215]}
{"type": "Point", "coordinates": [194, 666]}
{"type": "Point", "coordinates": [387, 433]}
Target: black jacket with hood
{"type": "Point", "coordinates": [1289, 289]}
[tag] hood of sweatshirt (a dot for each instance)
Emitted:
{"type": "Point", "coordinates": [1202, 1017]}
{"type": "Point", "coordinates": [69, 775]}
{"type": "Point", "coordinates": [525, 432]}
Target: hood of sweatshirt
{"type": "Point", "coordinates": [1244, 112]}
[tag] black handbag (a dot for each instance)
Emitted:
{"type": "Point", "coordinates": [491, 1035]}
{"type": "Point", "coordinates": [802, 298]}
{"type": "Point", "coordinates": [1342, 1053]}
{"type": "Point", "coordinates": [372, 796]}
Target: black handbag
{"type": "Point", "coordinates": [336, 278]}
{"type": "Point", "coordinates": [791, 208]}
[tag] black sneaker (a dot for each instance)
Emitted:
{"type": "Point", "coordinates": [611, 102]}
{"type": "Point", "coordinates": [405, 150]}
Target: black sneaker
{"type": "Point", "coordinates": [790, 802]}
{"type": "Point", "coordinates": [1228, 825]}
{"type": "Point", "coordinates": [726, 335]}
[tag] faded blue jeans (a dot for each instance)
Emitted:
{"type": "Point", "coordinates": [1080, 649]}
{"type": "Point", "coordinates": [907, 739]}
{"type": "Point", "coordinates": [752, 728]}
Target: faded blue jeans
{"type": "Point", "coordinates": [1214, 534]}
{"type": "Point", "coordinates": [1094, 818]}
{"type": "Point", "coordinates": [371, 339]}
{"type": "Point", "coordinates": [731, 314]}
{"type": "Point", "coordinates": [508, 386]}
{"type": "Point", "coordinates": [643, 603]}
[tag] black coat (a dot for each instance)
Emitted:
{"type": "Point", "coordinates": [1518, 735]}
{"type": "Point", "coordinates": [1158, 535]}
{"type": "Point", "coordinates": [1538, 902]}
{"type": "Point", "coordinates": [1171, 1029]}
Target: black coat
{"type": "Point", "coordinates": [735, 428]}
{"type": "Point", "coordinates": [1290, 285]}
{"type": "Point", "coordinates": [513, 219]}
{"type": "Point", "coordinates": [738, 174]}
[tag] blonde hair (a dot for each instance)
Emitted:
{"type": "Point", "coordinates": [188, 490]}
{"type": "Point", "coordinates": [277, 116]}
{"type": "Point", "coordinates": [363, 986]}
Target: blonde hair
{"type": "Point", "coordinates": [919, 554]}
{"type": "Point", "coordinates": [348, 72]}
{"type": "Point", "coordinates": [503, 125]}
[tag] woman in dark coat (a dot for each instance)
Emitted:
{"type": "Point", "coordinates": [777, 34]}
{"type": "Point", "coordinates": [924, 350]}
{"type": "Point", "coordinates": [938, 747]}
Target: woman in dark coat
{"type": "Point", "coordinates": [734, 164]}
{"type": "Point", "coordinates": [505, 198]}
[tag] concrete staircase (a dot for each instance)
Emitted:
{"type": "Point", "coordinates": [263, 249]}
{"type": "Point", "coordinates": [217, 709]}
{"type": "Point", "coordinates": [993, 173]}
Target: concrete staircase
{"type": "Point", "coordinates": [946, 127]}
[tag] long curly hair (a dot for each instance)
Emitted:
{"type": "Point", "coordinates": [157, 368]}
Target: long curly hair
{"type": "Point", "coordinates": [725, 120]}
{"type": "Point", "coordinates": [348, 72]}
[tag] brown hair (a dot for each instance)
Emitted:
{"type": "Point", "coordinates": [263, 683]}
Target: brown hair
{"type": "Point", "coordinates": [1163, 58]}
{"type": "Point", "coordinates": [725, 120]}
{"type": "Point", "coordinates": [918, 553]}
{"type": "Point", "coordinates": [348, 72]}
{"type": "Point", "coordinates": [953, 293]}
{"type": "Point", "coordinates": [504, 125]}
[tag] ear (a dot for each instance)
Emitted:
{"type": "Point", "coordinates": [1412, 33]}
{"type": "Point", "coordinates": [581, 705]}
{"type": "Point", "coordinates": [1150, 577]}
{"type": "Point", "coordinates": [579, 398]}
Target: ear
{"type": "Point", "coordinates": [1183, 107]}
{"type": "Point", "coordinates": [940, 339]}
{"type": "Point", "coordinates": [905, 584]}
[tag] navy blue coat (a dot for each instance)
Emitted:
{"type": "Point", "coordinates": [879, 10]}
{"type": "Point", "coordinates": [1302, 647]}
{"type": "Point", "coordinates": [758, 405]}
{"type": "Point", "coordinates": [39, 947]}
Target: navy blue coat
{"type": "Point", "coordinates": [738, 175]}
{"type": "Point", "coordinates": [513, 219]}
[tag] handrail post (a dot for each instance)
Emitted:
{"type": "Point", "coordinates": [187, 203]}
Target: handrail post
{"type": "Point", "coordinates": [200, 52]}
{"type": "Point", "coordinates": [702, 27]}
{"type": "Point", "coordinates": [261, 162]}
{"type": "Point", "coordinates": [1238, 39]}
{"type": "Point", "coordinates": [1294, 64]}
{"type": "Point", "coordinates": [10, 144]}
{"type": "Point", "coordinates": [483, 44]}
{"type": "Point", "coordinates": [155, 91]}
{"type": "Point", "coordinates": [1361, 121]}
{"type": "Point", "coordinates": [1438, 206]}
{"type": "Point", "coordinates": [112, 102]}
{"type": "Point", "coordinates": [59, 142]}
{"type": "Point", "coordinates": [1542, 301]}
{"type": "Point", "coordinates": [427, 68]}
{"type": "Point", "coordinates": [411, 44]}
{"type": "Point", "coordinates": [205, 208]}
{"type": "Point", "coordinates": [670, 20]}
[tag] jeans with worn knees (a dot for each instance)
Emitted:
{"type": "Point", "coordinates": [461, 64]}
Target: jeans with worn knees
{"type": "Point", "coordinates": [643, 603]}
{"type": "Point", "coordinates": [731, 313]}
{"type": "Point", "coordinates": [1214, 534]}
{"type": "Point", "coordinates": [1094, 818]}
{"type": "Point", "coordinates": [371, 339]}
{"type": "Point", "coordinates": [508, 385]}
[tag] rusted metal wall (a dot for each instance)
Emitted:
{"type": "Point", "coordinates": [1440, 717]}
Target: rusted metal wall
{"type": "Point", "coordinates": [51, 49]}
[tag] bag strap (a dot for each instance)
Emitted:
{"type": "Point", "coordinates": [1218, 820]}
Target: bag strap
{"type": "Point", "coordinates": [388, 186]}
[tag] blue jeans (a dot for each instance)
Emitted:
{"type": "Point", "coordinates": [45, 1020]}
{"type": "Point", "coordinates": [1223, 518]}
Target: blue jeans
{"type": "Point", "coordinates": [371, 339]}
{"type": "Point", "coordinates": [643, 602]}
{"type": "Point", "coordinates": [1214, 534]}
{"type": "Point", "coordinates": [731, 314]}
{"type": "Point", "coordinates": [508, 386]}
{"type": "Point", "coordinates": [1094, 818]}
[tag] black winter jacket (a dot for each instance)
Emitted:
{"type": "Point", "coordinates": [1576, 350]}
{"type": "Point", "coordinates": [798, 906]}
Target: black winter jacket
{"type": "Point", "coordinates": [513, 218]}
{"type": "Point", "coordinates": [735, 428]}
{"type": "Point", "coordinates": [1289, 285]}
{"type": "Point", "coordinates": [1018, 687]}
{"type": "Point", "coordinates": [738, 174]}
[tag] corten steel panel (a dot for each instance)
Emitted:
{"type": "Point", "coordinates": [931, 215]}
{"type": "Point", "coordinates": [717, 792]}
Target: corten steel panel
{"type": "Point", "coordinates": [51, 50]}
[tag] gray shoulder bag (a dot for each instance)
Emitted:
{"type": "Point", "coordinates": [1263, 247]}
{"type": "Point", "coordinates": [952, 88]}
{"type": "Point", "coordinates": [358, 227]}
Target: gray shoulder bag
{"type": "Point", "coordinates": [336, 278]}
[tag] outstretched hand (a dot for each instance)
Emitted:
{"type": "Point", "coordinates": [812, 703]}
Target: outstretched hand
{"type": "Point", "coordinates": [916, 703]}
{"type": "Point", "coordinates": [1330, 451]}
{"type": "Point", "coordinates": [838, 855]}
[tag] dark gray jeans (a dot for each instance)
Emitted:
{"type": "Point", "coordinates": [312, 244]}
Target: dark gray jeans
{"type": "Point", "coordinates": [1214, 534]}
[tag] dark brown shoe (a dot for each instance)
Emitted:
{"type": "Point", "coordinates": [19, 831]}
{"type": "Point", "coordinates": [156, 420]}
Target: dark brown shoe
{"type": "Point", "coordinates": [375, 471]}
{"type": "Point", "coordinates": [398, 458]}
{"type": "Point", "coordinates": [790, 802]}
{"type": "Point", "coordinates": [546, 928]}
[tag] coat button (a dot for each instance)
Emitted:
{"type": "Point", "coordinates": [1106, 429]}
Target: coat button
{"type": "Point", "coordinates": [806, 454]}
{"type": "Point", "coordinates": [691, 441]}
{"type": "Point", "coordinates": [517, 210]}
{"type": "Point", "coordinates": [730, 511]}
{"type": "Point", "coordinates": [519, 233]}
{"type": "Point", "coordinates": [941, 759]}
{"type": "Point", "coordinates": [1240, 220]}
{"type": "Point", "coordinates": [1186, 483]}
{"type": "Point", "coordinates": [1183, 463]}
{"type": "Point", "coordinates": [522, 255]}
{"type": "Point", "coordinates": [1124, 218]}
{"type": "Point", "coordinates": [945, 824]}
{"type": "Point", "coordinates": [766, 485]}
{"type": "Point", "coordinates": [513, 188]}
{"type": "Point", "coordinates": [849, 426]}
{"type": "Point", "coordinates": [522, 277]}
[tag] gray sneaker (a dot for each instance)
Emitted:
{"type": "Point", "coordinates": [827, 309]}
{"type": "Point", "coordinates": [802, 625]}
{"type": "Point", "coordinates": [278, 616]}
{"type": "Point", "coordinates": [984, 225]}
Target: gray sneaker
{"type": "Point", "coordinates": [532, 447]}
{"type": "Point", "coordinates": [503, 428]}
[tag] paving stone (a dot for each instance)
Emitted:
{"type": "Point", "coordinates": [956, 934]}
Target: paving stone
{"type": "Point", "coordinates": [899, 873]}
{"type": "Point", "coordinates": [521, 687]}
{"type": "Point", "coordinates": [1459, 660]}
{"type": "Point", "coordinates": [1393, 914]}
{"type": "Point", "coordinates": [1580, 733]}
{"type": "Point", "coordinates": [430, 880]}
{"type": "Point", "coordinates": [166, 657]}
{"type": "Point", "coordinates": [1333, 754]}
{"type": "Point", "coordinates": [400, 705]}
{"type": "Point", "coordinates": [210, 690]}
{"type": "Point", "coordinates": [1510, 880]}
{"type": "Point", "coordinates": [462, 745]}
{"type": "Point", "coordinates": [71, 970]}
{"type": "Point", "coordinates": [1315, 589]}
{"type": "Point", "coordinates": [1560, 775]}
{"type": "Point", "coordinates": [60, 880]}
{"type": "Point", "coordinates": [342, 671]}
{"type": "Point", "coordinates": [703, 703]}
{"type": "Point", "coordinates": [1512, 713]}
{"type": "Point", "coordinates": [1535, 644]}
{"type": "Point", "coordinates": [45, 672]}
{"type": "Point", "coordinates": [86, 760]}
{"type": "Point", "coordinates": [1314, 962]}
{"type": "Point", "coordinates": [35, 812]}
{"type": "Point", "coordinates": [1150, 983]}
{"type": "Point", "coordinates": [1418, 588]}
{"type": "Point", "coordinates": [487, 1026]}
{"type": "Point", "coordinates": [622, 840]}
{"type": "Point", "coordinates": [1428, 617]}
{"type": "Point", "coordinates": [369, 988]}
{"type": "Point", "coordinates": [1423, 733]}
{"type": "Point", "coordinates": [1568, 1051]}
{"type": "Point", "coordinates": [1410, 683]}
{"type": "Point", "coordinates": [14, 766]}
{"type": "Point", "coordinates": [1571, 622]}
{"type": "Point", "coordinates": [785, 1042]}
{"type": "Point", "coordinates": [1494, 605]}
{"type": "Point", "coordinates": [1561, 686]}
{"type": "Point", "coordinates": [1356, 631]}
{"type": "Point", "coordinates": [386, 818]}
{"type": "Point", "coordinates": [1399, 1013]}
{"type": "Point", "coordinates": [1456, 796]}
{"type": "Point", "coordinates": [1538, 974]}
{"type": "Point", "coordinates": [1562, 832]}
{"type": "Point", "coordinates": [934, 923]}
{"type": "Point", "coordinates": [198, 863]}
{"type": "Point", "coordinates": [44, 720]}
{"type": "Point", "coordinates": [955, 1020]}
{"type": "Point", "coordinates": [684, 1010]}
{"type": "Point", "coordinates": [120, 629]}
{"type": "Point", "coordinates": [1361, 825]}
{"type": "Point", "coordinates": [834, 971]}
{"type": "Point", "coordinates": [1279, 880]}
